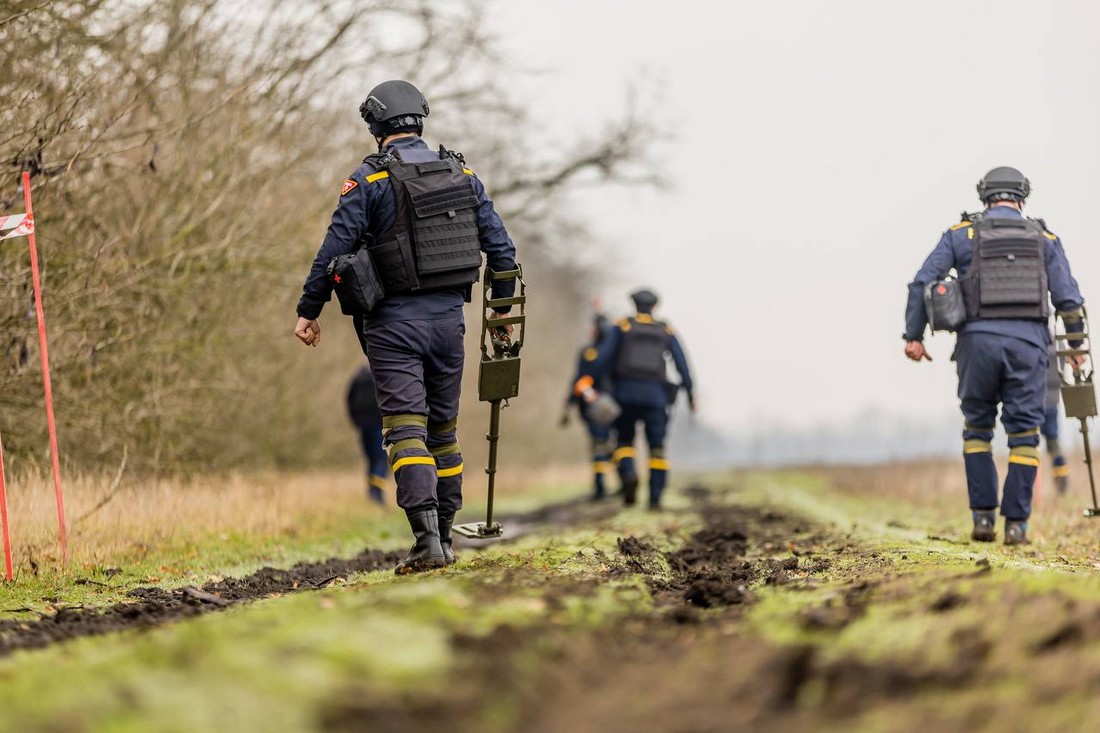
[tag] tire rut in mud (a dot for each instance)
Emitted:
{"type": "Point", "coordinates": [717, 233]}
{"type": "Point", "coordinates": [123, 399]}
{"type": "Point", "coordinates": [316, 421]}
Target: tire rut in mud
{"type": "Point", "coordinates": [156, 606]}
{"type": "Point", "coordinates": [706, 578]}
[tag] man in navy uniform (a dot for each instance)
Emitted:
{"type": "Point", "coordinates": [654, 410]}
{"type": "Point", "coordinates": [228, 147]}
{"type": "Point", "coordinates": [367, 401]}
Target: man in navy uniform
{"type": "Point", "coordinates": [599, 434]}
{"type": "Point", "coordinates": [367, 418]}
{"type": "Point", "coordinates": [1011, 267]}
{"type": "Point", "coordinates": [633, 357]}
{"type": "Point", "coordinates": [425, 220]}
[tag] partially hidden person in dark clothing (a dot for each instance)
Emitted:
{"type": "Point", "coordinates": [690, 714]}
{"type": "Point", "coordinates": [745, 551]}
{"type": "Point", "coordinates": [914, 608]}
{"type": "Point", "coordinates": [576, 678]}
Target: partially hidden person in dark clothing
{"type": "Point", "coordinates": [633, 357]}
{"type": "Point", "coordinates": [1002, 348]}
{"type": "Point", "coordinates": [367, 418]}
{"type": "Point", "coordinates": [599, 434]}
{"type": "Point", "coordinates": [1051, 419]}
{"type": "Point", "coordinates": [426, 222]}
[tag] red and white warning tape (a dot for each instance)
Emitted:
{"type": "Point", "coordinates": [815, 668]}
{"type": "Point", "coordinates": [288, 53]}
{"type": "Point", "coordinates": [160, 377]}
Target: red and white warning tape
{"type": "Point", "coordinates": [20, 224]}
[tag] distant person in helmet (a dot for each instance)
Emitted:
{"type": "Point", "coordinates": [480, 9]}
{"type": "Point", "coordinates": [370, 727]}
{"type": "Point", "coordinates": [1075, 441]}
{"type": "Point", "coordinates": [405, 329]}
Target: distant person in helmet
{"type": "Point", "coordinates": [599, 434]}
{"type": "Point", "coordinates": [633, 357]}
{"type": "Point", "coordinates": [426, 221]}
{"type": "Point", "coordinates": [365, 415]}
{"type": "Point", "coordinates": [1011, 268]}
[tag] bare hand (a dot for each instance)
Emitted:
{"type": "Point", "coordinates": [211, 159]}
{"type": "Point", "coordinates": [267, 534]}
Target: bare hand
{"type": "Point", "coordinates": [1077, 361]}
{"type": "Point", "coordinates": [507, 329]}
{"type": "Point", "coordinates": [915, 351]}
{"type": "Point", "coordinates": [308, 331]}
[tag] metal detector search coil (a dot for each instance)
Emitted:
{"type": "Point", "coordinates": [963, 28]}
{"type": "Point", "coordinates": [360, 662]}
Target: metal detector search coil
{"type": "Point", "coordinates": [498, 378]}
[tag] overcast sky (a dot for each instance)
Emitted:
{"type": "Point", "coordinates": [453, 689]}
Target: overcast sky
{"type": "Point", "coordinates": [817, 151]}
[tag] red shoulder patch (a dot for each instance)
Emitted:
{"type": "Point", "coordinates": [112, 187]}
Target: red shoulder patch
{"type": "Point", "coordinates": [349, 186]}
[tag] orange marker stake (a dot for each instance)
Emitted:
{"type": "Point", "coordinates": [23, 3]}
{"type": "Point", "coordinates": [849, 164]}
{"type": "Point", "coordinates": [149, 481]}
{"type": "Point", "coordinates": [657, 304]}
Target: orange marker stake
{"type": "Point", "coordinates": [54, 458]}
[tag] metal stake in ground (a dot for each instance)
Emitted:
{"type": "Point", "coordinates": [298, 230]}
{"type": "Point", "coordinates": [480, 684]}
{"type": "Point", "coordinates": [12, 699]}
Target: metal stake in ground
{"type": "Point", "coordinates": [498, 379]}
{"type": "Point", "coordinates": [1079, 395]}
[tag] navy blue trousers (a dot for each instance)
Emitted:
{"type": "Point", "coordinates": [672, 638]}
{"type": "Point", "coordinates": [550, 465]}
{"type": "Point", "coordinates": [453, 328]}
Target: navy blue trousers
{"type": "Point", "coordinates": [601, 448]}
{"type": "Point", "coordinates": [417, 367]}
{"type": "Point", "coordinates": [655, 423]}
{"type": "Point", "coordinates": [378, 462]}
{"type": "Point", "coordinates": [994, 371]}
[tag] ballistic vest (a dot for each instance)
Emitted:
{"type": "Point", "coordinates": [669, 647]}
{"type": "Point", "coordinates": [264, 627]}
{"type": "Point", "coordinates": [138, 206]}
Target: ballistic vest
{"type": "Point", "coordinates": [643, 347]}
{"type": "Point", "coordinates": [1008, 273]}
{"type": "Point", "coordinates": [434, 241]}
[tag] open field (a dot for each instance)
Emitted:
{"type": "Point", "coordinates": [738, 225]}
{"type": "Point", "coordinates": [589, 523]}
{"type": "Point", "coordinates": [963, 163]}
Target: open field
{"type": "Point", "coordinates": [762, 601]}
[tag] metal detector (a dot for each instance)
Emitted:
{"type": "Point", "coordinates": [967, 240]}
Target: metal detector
{"type": "Point", "coordinates": [1079, 395]}
{"type": "Point", "coordinates": [498, 379]}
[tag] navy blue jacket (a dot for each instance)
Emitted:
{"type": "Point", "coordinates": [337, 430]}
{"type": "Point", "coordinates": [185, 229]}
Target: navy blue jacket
{"type": "Point", "coordinates": [586, 360]}
{"type": "Point", "coordinates": [641, 392]}
{"type": "Point", "coordinates": [954, 251]}
{"type": "Point", "coordinates": [367, 206]}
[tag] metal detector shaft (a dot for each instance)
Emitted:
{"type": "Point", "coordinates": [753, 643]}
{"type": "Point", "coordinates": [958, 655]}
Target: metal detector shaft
{"type": "Point", "coordinates": [502, 335]}
{"type": "Point", "coordinates": [1088, 463]}
{"type": "Point", "coordinates": [493, 436]}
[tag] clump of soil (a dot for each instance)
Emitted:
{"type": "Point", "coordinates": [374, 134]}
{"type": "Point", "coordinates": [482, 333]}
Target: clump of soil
{"type": "Point", "coordinates": [156, 606]}
{"type": "Point", "coordinates": [709, 571]}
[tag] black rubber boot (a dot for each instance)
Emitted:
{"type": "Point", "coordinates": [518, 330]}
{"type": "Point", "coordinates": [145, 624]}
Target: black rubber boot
{"type": "Point", "coordinates": [1015, 532]}
{"type": "Point", "coordinates": [985, 525]}
{"type": "Point", "coordinates": [445, 541]}
{"type": "Point", "coordinates": [427, 553]}
{"type": "Point", "coordinates": [630, 490]}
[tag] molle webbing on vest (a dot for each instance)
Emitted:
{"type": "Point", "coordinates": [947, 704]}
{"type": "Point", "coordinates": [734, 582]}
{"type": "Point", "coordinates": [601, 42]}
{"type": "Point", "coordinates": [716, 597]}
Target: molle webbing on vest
{"type": "Point", "coordinates": [642, 351]}
{"type": "Point", "coordinates": [1008, 276]}
{"type": "Point", "coordinates": [434, 241]}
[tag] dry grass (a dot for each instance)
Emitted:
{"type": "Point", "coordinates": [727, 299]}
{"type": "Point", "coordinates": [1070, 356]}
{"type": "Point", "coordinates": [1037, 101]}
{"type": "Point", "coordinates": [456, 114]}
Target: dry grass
{"type": "Point", "coordinates": [111, 524]}
{"type": "Point", "coordinates": [936, 491]}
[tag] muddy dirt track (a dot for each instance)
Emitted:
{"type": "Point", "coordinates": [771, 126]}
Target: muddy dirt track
{"type": "Point", "coordinates": [153, 606]}
{"type": "Point", "coordinates": [690, 665]}
{"type": "Point", "coordinates": [690, 660]}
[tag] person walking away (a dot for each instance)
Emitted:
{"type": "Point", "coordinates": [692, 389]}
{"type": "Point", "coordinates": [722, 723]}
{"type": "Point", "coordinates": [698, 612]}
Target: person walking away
{"type": "Point", "coordinates": [633, 357]}
{"type": "Point", "coordinates": [425, 220]}
{"type": "Point", "coordinates": [1010, 268]}
{"type": "Point", "coordinates": [599, 435]}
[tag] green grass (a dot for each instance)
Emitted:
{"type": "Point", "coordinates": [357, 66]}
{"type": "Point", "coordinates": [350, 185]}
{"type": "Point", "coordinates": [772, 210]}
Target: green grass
{"type": "Point", "coordinates": [281, 663]}
{"type": "Point", "coordinates": [272, 665]}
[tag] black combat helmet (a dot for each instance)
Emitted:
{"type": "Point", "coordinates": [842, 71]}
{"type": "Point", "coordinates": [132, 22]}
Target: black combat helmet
{"type": "Point", "coordinates": [644, 300]}
{"type": "Point", "coordinates": [394, 106]}
{"type": "Point", "coordinates": [1004, 184]}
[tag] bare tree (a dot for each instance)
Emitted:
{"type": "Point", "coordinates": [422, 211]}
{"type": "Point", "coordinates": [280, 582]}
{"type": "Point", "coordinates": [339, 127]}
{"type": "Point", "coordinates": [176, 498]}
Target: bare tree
{"type": "Point", "coordinates": [184, 156]}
